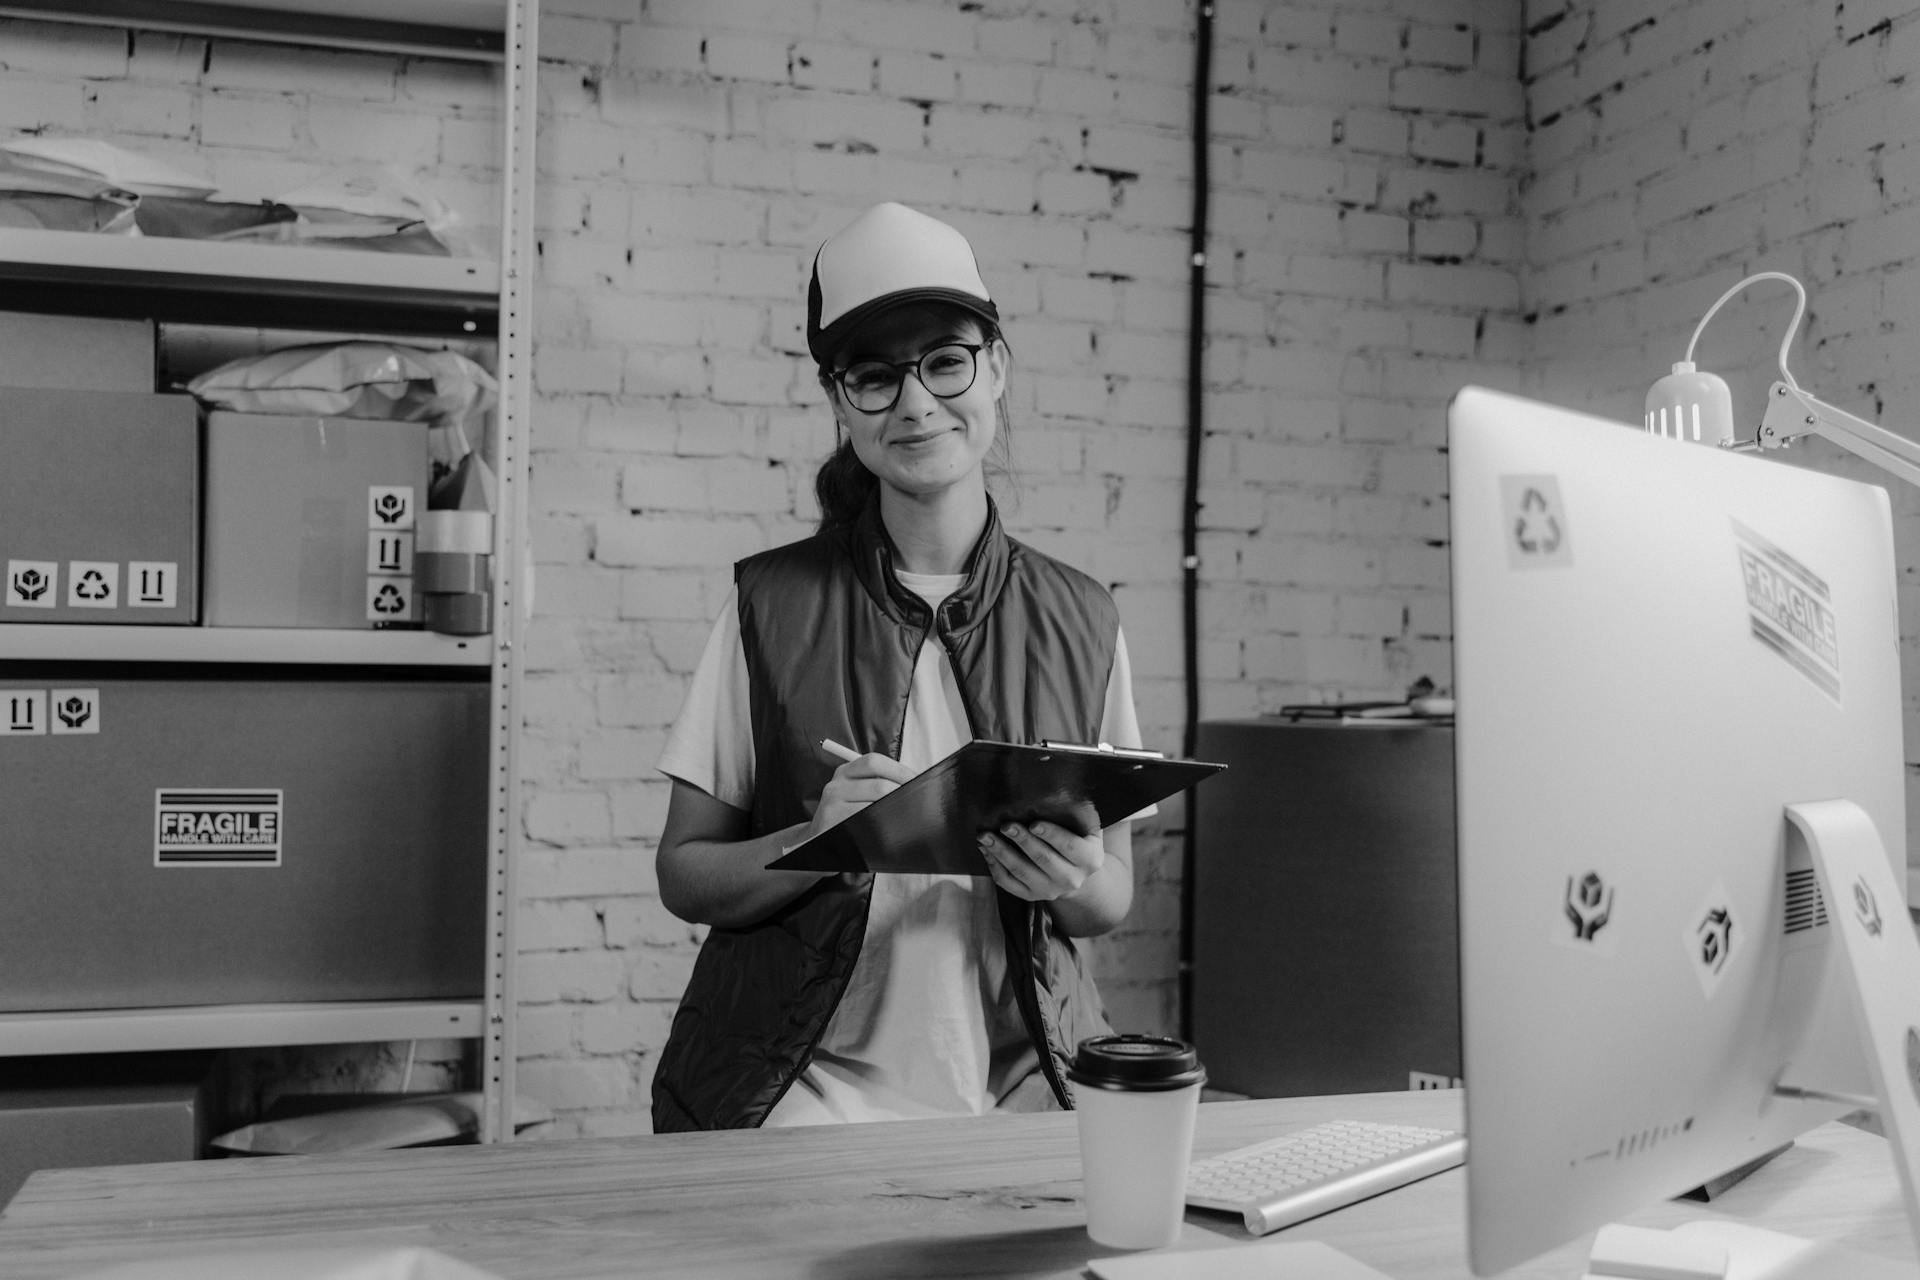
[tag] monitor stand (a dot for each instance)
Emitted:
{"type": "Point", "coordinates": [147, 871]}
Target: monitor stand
{"type": "Point", "coordinates": [1713, 1188]}
{"type": "Point", "coordinates": [1719, 1249]}
{"type": "Point", "coordinates": [1867, 906]}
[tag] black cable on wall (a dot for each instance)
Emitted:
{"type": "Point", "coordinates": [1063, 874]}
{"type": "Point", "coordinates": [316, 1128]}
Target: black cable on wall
{"type": "Point", "coordinates": [1190, 518]}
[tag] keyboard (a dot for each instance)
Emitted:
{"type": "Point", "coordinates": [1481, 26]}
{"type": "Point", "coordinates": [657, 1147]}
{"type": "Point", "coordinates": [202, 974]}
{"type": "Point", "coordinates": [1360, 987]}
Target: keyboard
{"type": "Point", "coordinates": [1319, 1169]}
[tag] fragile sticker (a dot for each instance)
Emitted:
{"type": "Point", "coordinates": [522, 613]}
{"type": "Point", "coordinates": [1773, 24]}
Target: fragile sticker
{"type": "Point", "coordinates": [1586, 911]}
{"type": "Point", "coordinates": [1790, 609]}
{"type": "Point", "coordinates": [33, 584]}
{"type": "Point", "coordinates": [208, 827]}
{"type": "Point", "coordinates": [390, 506]}
{"type": "Point", "coordinates": [73, 710]}
{"type": "Point", "coordinates": [1713, 938]}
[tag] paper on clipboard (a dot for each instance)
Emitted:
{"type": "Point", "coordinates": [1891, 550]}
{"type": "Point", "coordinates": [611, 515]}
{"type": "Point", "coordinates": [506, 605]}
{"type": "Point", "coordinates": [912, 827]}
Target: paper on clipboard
{"type": "Point", "coordinates": [931, 823]}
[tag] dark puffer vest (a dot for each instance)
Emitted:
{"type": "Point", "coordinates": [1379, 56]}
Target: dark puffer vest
{"type": "Point", "coordinates": [830, 638]}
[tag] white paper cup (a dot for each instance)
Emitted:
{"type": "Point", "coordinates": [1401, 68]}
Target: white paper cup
{"type": "Point", "coordinates": [1136, 1098]}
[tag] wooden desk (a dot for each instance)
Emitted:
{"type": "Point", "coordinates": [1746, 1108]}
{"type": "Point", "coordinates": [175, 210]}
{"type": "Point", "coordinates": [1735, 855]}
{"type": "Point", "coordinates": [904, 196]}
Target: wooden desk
{"type": "Point", "coordinates": [994, 1197]}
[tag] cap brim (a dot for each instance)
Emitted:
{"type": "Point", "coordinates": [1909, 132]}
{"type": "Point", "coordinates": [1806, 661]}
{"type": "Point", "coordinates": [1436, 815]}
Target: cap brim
{"type": "Point", "coordinates": [833, 336]}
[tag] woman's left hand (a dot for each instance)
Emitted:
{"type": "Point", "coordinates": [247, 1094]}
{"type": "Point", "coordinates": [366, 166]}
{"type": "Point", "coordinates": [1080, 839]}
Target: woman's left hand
{"type": "Point", "coordinates": [1043, 861]}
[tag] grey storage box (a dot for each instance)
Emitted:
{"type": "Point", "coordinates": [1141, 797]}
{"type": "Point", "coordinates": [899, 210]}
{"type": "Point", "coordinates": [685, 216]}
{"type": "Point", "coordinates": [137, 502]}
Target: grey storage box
{"type": "Point", "coordinates": [99, 507]}
{"type": "Point", "coordinates": [85, 1125]}
{"type": "Point", "coordinates": [306, 835]}
{"type": "Point", "coordinates": [310, 521]}
{"type": "Point", "coordinates": [77, 353]}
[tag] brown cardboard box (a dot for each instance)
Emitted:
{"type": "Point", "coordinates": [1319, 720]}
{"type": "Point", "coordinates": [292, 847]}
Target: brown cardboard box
{"type": "Point", "coordinates": [310, 521]}
{"type": "Point", "coordinates": [99, 518]}
{"type": "Point", "coordinates": [86, 1125]}
{"type": "Point", "coordinates": [211, 839]}
{"type": "Point", "coordinates": [76, 353]}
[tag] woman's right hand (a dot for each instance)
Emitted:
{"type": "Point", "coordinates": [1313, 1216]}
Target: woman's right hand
{"type": "Point", "coordinates": [855, 785]}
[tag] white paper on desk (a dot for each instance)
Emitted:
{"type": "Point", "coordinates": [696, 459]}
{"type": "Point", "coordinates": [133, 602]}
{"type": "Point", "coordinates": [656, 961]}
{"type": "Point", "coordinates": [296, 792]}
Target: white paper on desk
{"type": "Point", "coordinates": [390, 1263]}
{"type": "Point", "coordinates": [1254, 1260]}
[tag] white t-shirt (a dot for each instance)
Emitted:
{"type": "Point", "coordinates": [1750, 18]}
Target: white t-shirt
{"type": "Point", "coordinates": [928, 1025]}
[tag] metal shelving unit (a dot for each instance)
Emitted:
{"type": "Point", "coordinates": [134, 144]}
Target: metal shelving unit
{"type": "Point", "coordinates": [73, 642]}
{"type": "Point", "coordinates": [104, 273]}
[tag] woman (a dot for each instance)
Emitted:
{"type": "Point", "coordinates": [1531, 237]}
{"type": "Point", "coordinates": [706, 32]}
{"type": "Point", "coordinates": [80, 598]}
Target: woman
{"type": "Point", "coordinates": [907, 625]}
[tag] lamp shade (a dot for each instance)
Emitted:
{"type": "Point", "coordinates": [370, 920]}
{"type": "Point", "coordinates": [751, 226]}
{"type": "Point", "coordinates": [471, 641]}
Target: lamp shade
{"type": "Point", "coordinates": [1692, 405]}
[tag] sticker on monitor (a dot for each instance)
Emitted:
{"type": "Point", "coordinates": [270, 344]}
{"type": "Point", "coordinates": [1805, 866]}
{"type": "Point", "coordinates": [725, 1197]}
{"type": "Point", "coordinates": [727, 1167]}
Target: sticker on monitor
{"type": "Point", "coordinates": [1586, 909]}
{"type": "Point", "coordinates": [1713, 937]}
{"type": "Point", "coordinates": [1791, 609]}
{"type": "Point", "coordinates": [1538, 534]}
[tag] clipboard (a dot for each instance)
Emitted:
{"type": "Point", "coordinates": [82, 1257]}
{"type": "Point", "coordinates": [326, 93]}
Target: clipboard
{"type": "Point", "coordinates": [930, 824]}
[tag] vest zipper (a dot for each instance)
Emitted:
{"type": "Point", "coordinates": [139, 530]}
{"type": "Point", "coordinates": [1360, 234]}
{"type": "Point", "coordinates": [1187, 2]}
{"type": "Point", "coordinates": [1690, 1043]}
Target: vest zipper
{"type": "Point", "coordinates": [1020, 959]}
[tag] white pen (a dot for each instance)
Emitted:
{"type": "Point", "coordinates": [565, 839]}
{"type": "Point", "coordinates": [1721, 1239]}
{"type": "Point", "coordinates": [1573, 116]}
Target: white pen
{"type": "Point", "coordinates": [833, 748]}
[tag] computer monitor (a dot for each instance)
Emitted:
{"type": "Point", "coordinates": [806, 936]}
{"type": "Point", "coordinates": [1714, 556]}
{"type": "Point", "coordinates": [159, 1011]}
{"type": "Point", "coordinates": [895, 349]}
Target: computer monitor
{"type": "Point", "coordinates": [1658, 648]}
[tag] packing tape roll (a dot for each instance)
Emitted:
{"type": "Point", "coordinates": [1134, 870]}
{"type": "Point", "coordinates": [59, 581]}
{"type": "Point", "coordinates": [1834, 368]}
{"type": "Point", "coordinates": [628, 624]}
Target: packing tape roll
{"type": "Point", "coordinates": [468, 613]}
{"type": "Point", "coordinates": [468, 532]}
{"type": "Point", "coordinates": [452, 572]}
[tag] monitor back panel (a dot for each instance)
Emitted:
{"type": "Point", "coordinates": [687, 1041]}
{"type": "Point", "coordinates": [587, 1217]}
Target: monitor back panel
{"type": "Point", "coordinates": [1657, 646]}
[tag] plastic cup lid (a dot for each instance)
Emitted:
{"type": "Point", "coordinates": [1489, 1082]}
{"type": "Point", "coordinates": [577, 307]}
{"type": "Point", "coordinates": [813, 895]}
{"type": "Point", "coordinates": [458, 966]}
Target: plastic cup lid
{"type": "Point", "coordinates": [1136, 1063]}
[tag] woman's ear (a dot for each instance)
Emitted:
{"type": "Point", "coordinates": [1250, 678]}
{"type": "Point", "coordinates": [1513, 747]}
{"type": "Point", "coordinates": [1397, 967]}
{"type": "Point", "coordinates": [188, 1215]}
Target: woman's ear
{"type": "Point", "coordinates": [998, 359]}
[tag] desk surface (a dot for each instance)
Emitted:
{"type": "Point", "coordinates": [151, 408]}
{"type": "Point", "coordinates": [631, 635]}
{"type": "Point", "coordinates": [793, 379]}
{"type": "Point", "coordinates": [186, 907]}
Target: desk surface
{"type": "Point", "coordinates": [993, 1197]}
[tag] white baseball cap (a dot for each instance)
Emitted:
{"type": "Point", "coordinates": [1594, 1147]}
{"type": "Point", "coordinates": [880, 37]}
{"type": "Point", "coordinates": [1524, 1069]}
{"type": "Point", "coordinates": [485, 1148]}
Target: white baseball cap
{"type": "Point", "coordinates": [888, 256]}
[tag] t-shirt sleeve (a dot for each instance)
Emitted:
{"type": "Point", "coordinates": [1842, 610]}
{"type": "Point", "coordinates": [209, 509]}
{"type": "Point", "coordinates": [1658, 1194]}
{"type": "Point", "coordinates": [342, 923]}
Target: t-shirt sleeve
{"type": "Point", "coordinates": [711, 743]}
{"type": "Point", "coordinates": [1119, 722]}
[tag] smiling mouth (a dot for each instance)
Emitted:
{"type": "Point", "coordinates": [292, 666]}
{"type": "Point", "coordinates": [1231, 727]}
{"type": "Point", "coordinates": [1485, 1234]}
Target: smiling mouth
{"type": "Point", "coordinates": [919, 439]}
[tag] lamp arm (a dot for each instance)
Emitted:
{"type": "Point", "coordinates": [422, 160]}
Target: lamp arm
{"type": "Point", "coordinates": [1793, 413]}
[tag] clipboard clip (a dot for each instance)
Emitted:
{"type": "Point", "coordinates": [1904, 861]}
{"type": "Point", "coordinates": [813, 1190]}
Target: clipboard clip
{"type": "Point", "coordinates": [1105, 747]}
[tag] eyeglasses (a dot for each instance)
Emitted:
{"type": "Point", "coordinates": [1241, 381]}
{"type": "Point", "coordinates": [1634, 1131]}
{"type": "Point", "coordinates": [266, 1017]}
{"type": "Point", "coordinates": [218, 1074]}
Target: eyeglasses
{"type": "Point", "coordinates": [873, 386]}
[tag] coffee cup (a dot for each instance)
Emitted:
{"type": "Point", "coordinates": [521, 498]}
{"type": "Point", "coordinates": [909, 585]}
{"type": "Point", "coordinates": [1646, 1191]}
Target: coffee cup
{"type": "Point", "coordinates": [1136, 1098]}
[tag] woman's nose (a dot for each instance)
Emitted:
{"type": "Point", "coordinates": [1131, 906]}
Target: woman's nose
{"type": "Point", "coordinates": [915, 399]}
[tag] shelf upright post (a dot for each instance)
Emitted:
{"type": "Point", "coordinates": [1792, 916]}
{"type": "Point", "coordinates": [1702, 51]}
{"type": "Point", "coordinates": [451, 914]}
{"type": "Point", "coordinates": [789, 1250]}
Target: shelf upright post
{"type": "Point", "coordinates": [512, 559]}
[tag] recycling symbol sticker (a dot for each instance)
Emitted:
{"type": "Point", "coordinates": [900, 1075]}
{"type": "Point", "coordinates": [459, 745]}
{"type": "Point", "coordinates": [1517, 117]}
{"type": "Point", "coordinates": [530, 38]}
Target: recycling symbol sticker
{"type": "Point", "coordinates": [1534, 516]}
{"type": "Point", "coordinates": [93, 584]}
{"type": "Point", "coordinates": [389, 600]}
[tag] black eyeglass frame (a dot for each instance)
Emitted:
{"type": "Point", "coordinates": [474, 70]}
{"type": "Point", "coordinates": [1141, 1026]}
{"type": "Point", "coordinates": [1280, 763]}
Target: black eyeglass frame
{"type": "Point", "coordinates": [973, 350]}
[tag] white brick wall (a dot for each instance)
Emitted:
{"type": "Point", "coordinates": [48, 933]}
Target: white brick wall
{"type": "Point", "coordinates": [1407, 195]}
{"type": "Point", "coordinates": [1685, 148]}
{"type": "Point", "coordinates": [1366, 240]}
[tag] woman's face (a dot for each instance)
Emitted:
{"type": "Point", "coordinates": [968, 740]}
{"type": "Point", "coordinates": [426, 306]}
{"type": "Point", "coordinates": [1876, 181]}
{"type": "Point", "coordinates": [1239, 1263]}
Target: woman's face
{"type": "Point", "coordinates": [923, 444]}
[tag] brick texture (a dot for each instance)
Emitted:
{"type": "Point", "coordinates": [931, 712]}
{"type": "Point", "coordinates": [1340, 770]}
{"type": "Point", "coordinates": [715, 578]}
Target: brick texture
{"type": "Point", "coordinates": [1406, 196]}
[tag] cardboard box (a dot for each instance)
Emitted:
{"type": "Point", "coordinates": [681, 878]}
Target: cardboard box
{"type": "Point", "coordinates": [77, 353]}
{"type": "Point", "coordinates": [83, 1126]}
{"type": "Point", "coordinates": [310, 521]}
{"type": "Point", "coordinates": [204, 839]}
{"type": "Point", "coordinates": [99, 515]}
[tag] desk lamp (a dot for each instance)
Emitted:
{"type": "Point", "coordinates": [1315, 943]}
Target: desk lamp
{"type": "Point", "coordinates": [1693, 405]}
{"type": "Point", "coordinates": [1689, 404]}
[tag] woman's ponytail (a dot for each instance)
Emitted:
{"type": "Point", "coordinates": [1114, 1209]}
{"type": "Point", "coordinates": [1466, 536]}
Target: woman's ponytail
{"type": "Point", "coordinates": [843, 486]}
